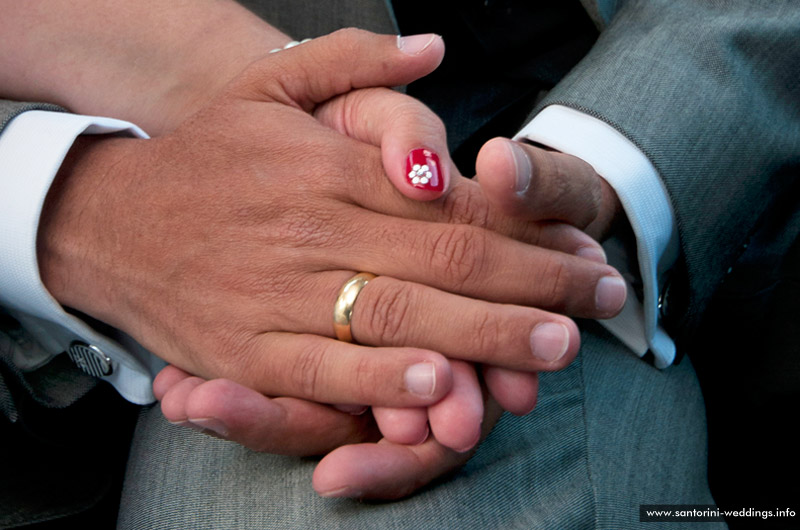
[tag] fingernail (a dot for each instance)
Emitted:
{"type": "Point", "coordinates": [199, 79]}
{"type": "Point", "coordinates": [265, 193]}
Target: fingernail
{"type": "Point", "coordinates": [341, 492]}
{"type": "Point", "coordinates": [549, 341]}
{"type": "Point", "coordinates": [522, 165]}
{"type": "Point", "coordinates": [425, 437]}
{"type": "Point", "coordinates": [610, 294]}
{"type": "Point", "coordinates": [355, 410]}
{"type": "Point", "coordinates": [422, 170]}
{"type": "Point", "coordinates": [185, 423]}
{"type": "Point", "coordinates": [415, 44]}
{"type": "Point", "coordinates": [211, 424]}
{"type": "Point", "coordinates": [592, 253]}
{"type": "Point", "coordinates": [421, 379]}
{"type": "Point", "coordinates": [472, 444]}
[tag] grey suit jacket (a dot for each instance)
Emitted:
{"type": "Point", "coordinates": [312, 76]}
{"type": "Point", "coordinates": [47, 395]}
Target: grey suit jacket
{"type": "Point", "coordinates": [709, 90]}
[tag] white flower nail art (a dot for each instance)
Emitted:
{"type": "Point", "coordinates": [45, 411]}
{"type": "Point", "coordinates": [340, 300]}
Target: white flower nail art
{"type": "Point", "coordinates": [420, 174]}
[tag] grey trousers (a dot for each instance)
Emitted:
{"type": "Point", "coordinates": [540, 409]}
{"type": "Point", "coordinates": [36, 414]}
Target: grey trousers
{"type": "Point", "coordinates": [609, 433]}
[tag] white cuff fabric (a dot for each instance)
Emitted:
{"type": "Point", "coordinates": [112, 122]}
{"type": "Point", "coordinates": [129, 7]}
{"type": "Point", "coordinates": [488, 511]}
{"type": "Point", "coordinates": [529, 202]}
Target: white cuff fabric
{"type": "Point", "coordinates": [32, 148]}
{"type": "Point", "coordinates": [646, 204]}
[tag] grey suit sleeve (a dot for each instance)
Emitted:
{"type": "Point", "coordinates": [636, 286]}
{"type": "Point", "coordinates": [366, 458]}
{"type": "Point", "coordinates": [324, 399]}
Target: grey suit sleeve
{"type": "Point", "coordinates": [710, 92]}
{"type": "Point", "coordinates": [11, 109]}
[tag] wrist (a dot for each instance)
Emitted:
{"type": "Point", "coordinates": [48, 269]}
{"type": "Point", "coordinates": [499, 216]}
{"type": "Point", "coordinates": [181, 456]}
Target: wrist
{"type": "Point", "coordinates": [76, 227]}
{"type": "Point", "coordinates": [213, 53]}
{"type": "Point", "coordinates": [153, 64]}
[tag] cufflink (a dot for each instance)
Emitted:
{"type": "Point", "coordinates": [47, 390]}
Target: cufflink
{"type": "Point", "coordinates": [663, 301]}
{"type": "Point", "coordinates": [90, 359]}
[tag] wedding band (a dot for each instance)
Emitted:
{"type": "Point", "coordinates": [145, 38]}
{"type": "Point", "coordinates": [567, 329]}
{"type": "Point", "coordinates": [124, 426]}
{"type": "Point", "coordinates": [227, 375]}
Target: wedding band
{"type": "Point", "coordinates": [343, 309]}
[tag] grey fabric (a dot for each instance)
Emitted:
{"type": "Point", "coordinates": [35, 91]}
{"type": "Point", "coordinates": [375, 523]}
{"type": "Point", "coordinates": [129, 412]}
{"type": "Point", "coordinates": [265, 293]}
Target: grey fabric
{"type": "Point", "coordinates": [44, 477]}
{"type": "Point", "coordinates": [710, 91]}
{"type": "Point", "coordinates": [758, 383]}
{"type": "Point", "coordinates": [319, 17]}
{"type": "Point", "coordinates": [593, 10]}
{"type": "Point", "coordinates": [609, 433]}
{"type": "Point", "coordinates": [682, 80]}
{"type": "Point", "coordinates": [56, 385]}
{"type": "Point", "coordinates": [11, 109]}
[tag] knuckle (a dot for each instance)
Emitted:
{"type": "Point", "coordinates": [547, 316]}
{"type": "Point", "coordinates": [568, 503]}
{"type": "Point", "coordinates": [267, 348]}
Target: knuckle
{"type": "Point", "coordinates": [311, 227]}
{"type": "Point", "coordinates": [595, 190]}
{"type": "Point", "coordinates": [458, 254]}
{"type": "Point", "coordinates": [388, 310]}
{"type": "Point", "coordinates": [267, 78]}
{"type": "Point", "coordinates": [306, 372]}
{"type": "Point", "coordinates": [363, 377]}
{"type": "Point", "coordinates": [364, 161]}
{"type": "Point", "coordinates": [235, 350]}
{"type": "Point", "coordinates": [551, 177]}
{"type": "Point", "coordinates": [556, 283]}
{"type": "Point", "coordinates": [349, 39]}
{"type": "Point", "coordinates": [489, 331]}
{"type": "Point", "coordinates": [416, 114]}
{"type": "Point", "coordinates": [561, 182]}
{"type": "Point", "coordinates": [351, 110]}
{"type": "Point", "coordinates": [466, 205]}
{"type": "Point", "coordinates": [567, 187]}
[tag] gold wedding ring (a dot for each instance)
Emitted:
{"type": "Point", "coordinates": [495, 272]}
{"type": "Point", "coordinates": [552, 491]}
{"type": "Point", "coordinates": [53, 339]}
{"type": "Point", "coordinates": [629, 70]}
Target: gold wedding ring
{"type": "Point", "coordinates": [343, 309]}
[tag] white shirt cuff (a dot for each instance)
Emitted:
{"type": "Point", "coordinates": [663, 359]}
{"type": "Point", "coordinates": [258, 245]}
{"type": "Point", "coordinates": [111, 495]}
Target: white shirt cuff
{"type": "Point", "coordinates": [32, 147]}
{"type": "Point", "coordinates": [646, 203]}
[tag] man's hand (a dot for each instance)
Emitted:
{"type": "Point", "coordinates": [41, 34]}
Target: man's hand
{"type": "Point", "coordinates": [537, 184]}
{"type": "Point", "coordinates": [225, 409]}
{"type": "Point", "coordinates": [234, 277]}
{"type": "Point", "coordinates": [354, 465]}
{"type": "Point", "coordinates": [221, 248]}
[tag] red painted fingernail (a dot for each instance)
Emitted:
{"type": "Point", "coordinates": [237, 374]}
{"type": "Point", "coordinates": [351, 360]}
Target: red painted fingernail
{"type": "Point", "coordinates": [422, 170]}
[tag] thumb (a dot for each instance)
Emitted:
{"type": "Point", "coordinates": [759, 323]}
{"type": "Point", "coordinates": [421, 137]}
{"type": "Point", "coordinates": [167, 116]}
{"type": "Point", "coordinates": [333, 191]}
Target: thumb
{"type": "Point", "coordinates": [347, 59]}
{"type": "Point", "coordinates": [540, 185]}
{"type": "Point", "coordinates": [412, 138]}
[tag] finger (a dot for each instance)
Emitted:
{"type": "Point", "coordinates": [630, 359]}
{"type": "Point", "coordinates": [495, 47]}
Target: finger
{"type": "Point", "coordinates": [168, 377]}
{"type": "Point", "coordinates": [389, 471]}
{"type": "Point", "coordinates": [351, 409]}
{"type": "Point", "coordinates": [173, 403]}
{"type": "Point", "coordinates": [383, 470]}
{"type": "Point", "coordinates": [481, 264]}
{"type": "Point", "coordinates": [456, 419]}
{"type": "Point", "coordinates": [534, 183]}
{"type": "Point", "coordinates": [338, 63]}
{"type": "Point", "coordinates": [331, 371]}
{"type": "Point", "coordinates": [280, 426]}
{"type": "Point", "coordinates": [412, 138]}
{"type": "Point", "coordinates": [393, 313]}
{"type": "Point", "coordinates": [407, 426]}
{"type": "Point", "coordinates": [463, 203]}
{"type": "Point", "coordinates": [513, 390]}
